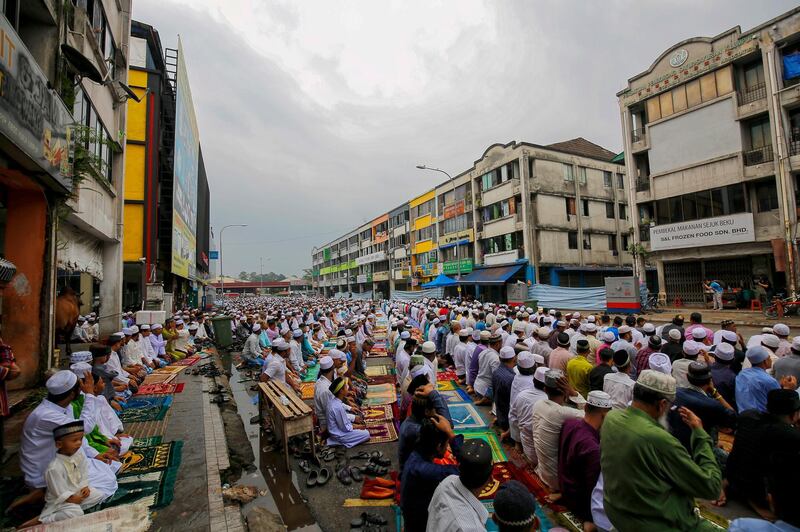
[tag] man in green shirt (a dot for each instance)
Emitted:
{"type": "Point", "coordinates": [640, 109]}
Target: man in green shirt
{"type": "Point", "coordinates": [651, 481]}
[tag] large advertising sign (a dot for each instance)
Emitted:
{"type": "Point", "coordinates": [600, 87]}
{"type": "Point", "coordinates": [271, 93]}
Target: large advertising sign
{"type": "Point", "coordinates": [731, 229]}
{"type": "Point", "coordinates": [184, 198]}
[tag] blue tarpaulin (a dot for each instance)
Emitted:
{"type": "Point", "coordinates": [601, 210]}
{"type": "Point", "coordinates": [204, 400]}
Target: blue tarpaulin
{"type": "Point", "coordinates": [562, 297]}
{"type": "Point", "coordinates": [441, 281]}
{"type": "Point", "coordinates": [791, 66]}
{"type": "Point", "coordinates": [492, 275]}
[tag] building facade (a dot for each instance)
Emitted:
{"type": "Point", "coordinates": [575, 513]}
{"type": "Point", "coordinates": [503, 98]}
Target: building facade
{"type": "Point", "coordinates": [64, 67]}
{"type": "Point", "coordinates": [712, 142]}
{"type": "Point", "coordinates": [150, 192]}
{"type": "Point", "coordinates": [555, 214]}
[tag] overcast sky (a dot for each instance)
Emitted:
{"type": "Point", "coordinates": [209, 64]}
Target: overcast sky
{"type": "Point", "coordinates": [313, 115]}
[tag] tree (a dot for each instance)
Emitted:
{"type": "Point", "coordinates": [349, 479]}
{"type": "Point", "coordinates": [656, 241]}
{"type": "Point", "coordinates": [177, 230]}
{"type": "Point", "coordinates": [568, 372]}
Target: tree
{"type": "Point", "coordinates": [243, 276]}
{"type": "Point", "coordinates": [307, 273]}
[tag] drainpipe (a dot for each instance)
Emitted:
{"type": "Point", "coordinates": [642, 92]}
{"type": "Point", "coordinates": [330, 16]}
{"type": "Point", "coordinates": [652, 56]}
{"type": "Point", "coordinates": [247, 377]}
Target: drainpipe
{"type": "Point", "coordinates": [779, 137]}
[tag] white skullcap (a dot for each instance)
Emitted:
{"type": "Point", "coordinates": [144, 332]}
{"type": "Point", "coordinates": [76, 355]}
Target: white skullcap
{"type": "Point", "coordinates": [61, 381]}
{"type": "Point", "coordinates": [724, 352]}
{"type": "Point", "coordinates": [80, 369]}
{"type": "Point", "coordinates": [608, 337]}
{"type": "Point", "coordinates": [540, 372]}
{"type": "Point", "coordinates": [507, 353]}
{"type": "Point", "coordinates": [780, 329]}
{"type": "Point", "coordinates": [127, 331]}
{"type": "Point", "coordinates": [418, 370]}
{"type": "Point", "coordinates": [525, 360]}
{"type": "Point", "coordinates": [624, 330]}
{"type": "Point", "coordinates": [796, 343]}
{"type": "Point", "coordinates": [428, 347]}
{"type": "Point", "coordinates": [297, 333]}
{"type": "Point", "coordinates": [599, 399]}
{"type": "Point", "coordinates": [405, 335]}
{"type": "Point", "coordinates": [649, 328]}
{"type": "Point", "coordinates": [178, 322]}
{"type": "Point", "coordinates": [590, 327]}
{"type": "Point", "coordinates": [658, 382]}
{"type": "Point", "coordinates": [326, 362]}
{"type": "Point", "coordinates": [145, 327]}
{"type": "Point", "coordinates": [590, 319]}
{"type": "Point", "coordinates": [771, 341]}
{"type": "Point", "coordinates": [280, 344]}
{"type": "Point", "coordinates": [543, 333]}
{"type": "Point", "coordinates": [80, 356]}
{"type": "Point", "coordinates": [660, 362]}
{"type": "Point", "coordinates": [691, 348]}
{"type": "Point", "coordinates": [157, 326]}
{"type": "Point", "coordinates": [730, 336]}
{"type": "Point", "coordinates": [194, 327]}
{"type": "Point", "coordinates": [539, 359]}
{"type": "Point", "coordinates": [699, 333]}
{"type": "Point", "coordinates": [766, 330]}
{"type": "Point", "coordinates": [256, 327]}
{"type": "Point", "coordinates": [675, 334]}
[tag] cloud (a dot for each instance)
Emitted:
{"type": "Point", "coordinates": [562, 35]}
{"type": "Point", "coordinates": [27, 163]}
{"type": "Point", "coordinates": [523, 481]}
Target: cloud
{"type": "Point", "coordinates": [313, 114]}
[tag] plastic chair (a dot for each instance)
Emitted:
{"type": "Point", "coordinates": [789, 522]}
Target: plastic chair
{"type": "Point", "coordinates": [755, 304]}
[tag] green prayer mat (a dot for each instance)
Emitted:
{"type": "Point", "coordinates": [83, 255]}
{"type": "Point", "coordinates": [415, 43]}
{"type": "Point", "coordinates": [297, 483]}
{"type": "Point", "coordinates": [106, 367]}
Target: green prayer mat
{"type": "Point", "coordinates": [157, 487]}
{"type": "Point", "coordinates": [488, 435]}
{"type": "Point", "coordinates": [141, 409]}
{"type": "Point", "coordinates": [146, 441]}
{"type": "Point", "coordinates": [141, 460]}
{"type": "Point", "coordinates": [311, 374]}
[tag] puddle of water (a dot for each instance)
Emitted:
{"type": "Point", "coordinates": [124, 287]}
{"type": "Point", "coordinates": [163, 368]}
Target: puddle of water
{"type": "Point", "coordinates": [269, 473]}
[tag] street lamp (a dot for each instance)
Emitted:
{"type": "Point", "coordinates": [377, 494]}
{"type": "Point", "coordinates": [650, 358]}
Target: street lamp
{"type": "Point", "coordinates": [458, 240]}
{"type": "Point", "coordinates": [222, 271]}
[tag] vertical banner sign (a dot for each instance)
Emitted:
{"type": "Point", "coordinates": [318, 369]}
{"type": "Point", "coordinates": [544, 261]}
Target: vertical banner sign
{"type": "Point", "coordinates": [184, 198]}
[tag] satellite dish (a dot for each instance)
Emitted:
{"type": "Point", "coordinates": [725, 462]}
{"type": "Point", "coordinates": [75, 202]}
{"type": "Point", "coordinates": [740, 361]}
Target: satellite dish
{"type": "Point", "coordinates": [82, 64]}
{"type": "Point", "coordinates": [129, 92]}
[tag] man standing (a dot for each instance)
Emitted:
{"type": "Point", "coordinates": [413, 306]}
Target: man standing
{"type": "Point", "coordinates": [650, 480]}
{"type": "Point", "coordinates": [716, 293]}
{"type": "Point", "coordinates": [579, 367]}
{"type": "Point", "coordinates": [521, 414]}
{"type": "Point", "coordinates": [560, 355]}
{"type": "Point", "coordinates": [643, 355]}
{"type": "Point", "coordinates": [502, 379]}
{"type": "Point", "coordinates": [489, 361]}
{"type": "Point", "coordinates": [619, 385]}
{"type": "Point", "coordinates": [599, 372]}
{"type": "Point", "coordinates": [579, 456]}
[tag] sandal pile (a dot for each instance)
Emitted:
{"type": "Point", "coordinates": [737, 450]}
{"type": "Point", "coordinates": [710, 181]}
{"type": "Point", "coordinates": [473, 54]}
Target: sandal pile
{"type": "Point", "coordinates": [368, 523]}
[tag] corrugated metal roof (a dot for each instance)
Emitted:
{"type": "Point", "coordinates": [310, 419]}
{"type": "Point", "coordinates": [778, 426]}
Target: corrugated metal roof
{"type": "Point", "coordinates": [492, 275]}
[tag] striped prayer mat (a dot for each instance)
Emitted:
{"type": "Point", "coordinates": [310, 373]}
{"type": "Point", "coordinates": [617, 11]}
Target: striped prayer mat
{"type": "Point", "coordinates": [381, 432]}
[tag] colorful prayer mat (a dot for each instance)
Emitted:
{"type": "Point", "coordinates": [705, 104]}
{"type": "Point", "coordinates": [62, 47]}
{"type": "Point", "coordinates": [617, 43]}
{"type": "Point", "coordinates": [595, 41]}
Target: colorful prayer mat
{"type": "Point", "coordinates": [129, 517]}
{"type": "Point", "coordinates": [444, 386]}
{"type": "Point", "coordinates": [375, 371]}
{"type": "Point", "coordinates": [466, 416]}
{"type": "Point", "coordinates": [169, 369]}
{"type": "Point", "coordinates": [726, 442]}
{"type": "Point", "coordinates": [498, 454]}
{"type": "Point", "coordinates": [306, 390]}
{"type": "Point", "coordinates": [312, 373]}
{"type": "Point", "coordinates": [140, 460]}
{"type": "Point", "coordinates": [156, 489]}
{"type": "Point", "coordinates": [535, 485]}
{"type": "Point", "coordinates": [379, 400]}
{"type": "Point", "coordinates": [147, 441]}
{"type": "Point", "coordinates": [380, 389]}
{"type": "Point", "coordinates": [381, 432]}
{"type": "Point", "coordinates": [140, 409]}
{"type": "Point", "coordinates": [500, 475]}
{"type": "Point", "coordinates": [188, 361]}
{"type": "Point", "coordinates": [382, 379]}
{"type": "Point", "coordinates": [459, 395]}
{"type": "Point", "coordinates": [446, 375]}
{"type": "Point", "coordinates": [159, 378]}
{"type": "Point", "coordinates": [160, 389]}
{"type": "Point", "coordinates": [379, 413]}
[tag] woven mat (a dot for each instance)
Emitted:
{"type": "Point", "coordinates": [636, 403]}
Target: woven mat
{"type": "Point", "coordinates": [466, 416]}
{"type": "Point", "coordinates": [129, 517]}
{"type": "Point", "coordinates": [312, 373]}
{"type": "Point", "coordinates": [141, 409]}
{"type": "Point", "coordinates": [147, 441]}
{"type": "Point", "coordinates": [382, 379]}
{"type": "Point", "coordinates": [160, 389]}
{"type": "Point", "coordinates": [174, 368]}
{"type": "Point", "coordinates": [155, 490]}
{"type": "Point", "coordinates": [141, 460]}
{"type": "Point", "coordinates": [354, 503]}
{"type": "Point", "coordinates": [375, 371]}
{"type": "Point", "coordinates": [307, 390]}
{"type": "Point", "coordinates": [381, 432]}
{"type": "Point", "coordinates": [444, 386]}
{"type": "Point", "coordinates": [459, 395]}
{"type": "Point", "coordinates": [159, 378]}
{"type": "Point", "coordinates": [378, 413]}
{"type": "Point", "coordinates": [188, 361]}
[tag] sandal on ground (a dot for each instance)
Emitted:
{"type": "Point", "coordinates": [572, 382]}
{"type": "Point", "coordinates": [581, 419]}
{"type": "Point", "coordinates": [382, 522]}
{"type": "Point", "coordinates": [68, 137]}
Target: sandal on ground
{"type": "Point", "coordinates": [384, 462]}
{"type": "Point", "coordinates": [313, 478]}
{"type": "Point", "coordinates": [324, 476]}
{"type": "Point", "coordinates": [363, 455]}
{"type": "Point", "coordinates": [355, 473]}
{"type": "Point", "coordinates": [304, 466]}
{"type": "Point", "coordinates": [344, 476]}
{"type": "Point", "coordinates": [374, 470]}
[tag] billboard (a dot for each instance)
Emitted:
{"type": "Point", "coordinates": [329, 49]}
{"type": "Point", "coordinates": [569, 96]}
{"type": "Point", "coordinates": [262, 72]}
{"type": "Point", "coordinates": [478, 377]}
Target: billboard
{"type": "Point", "coordinates": [184, 186]}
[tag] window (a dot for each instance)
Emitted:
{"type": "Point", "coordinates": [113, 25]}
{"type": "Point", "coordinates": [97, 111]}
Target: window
{"type": "Point", "coordinates": [455, 224]}
{"type": "Point", "coordinates": [572, 238]}
{"type": "Point", "coordinates": [766, 196]}
{"type": "Point", "coordinates": [499, 210]}
{"type": "Point", "coordinates": [587, 241]}
{"type": "Point", "coordinates": [99, 141]}
{"type": "Point", "coordinates": [424, 234]}
{"type": "Point", "coordinates": [623, 211]}
{"type": "Point", "coordinates": [612, 242]}
{"type": "Point", "coordinates": [499, 244]}
{"type": "Point", "coordinates": [621, 181]}
{"type": "Point", "coordinates": [759, 134]}
{"type": "Point", "coordinates": [624, 242]}
{"type": "Point", "coordinates": [610, 210]}
{"type": "Point", "coordinates": [607, 178]}
{"type": "Point", "coordinates": [497, 176]}
{"type": "Point", "coordinates": [570, 202]}
{"type": "Point", "coordinates": [582, 175]}
{"type": "Point", "coordinates": [704, 204]}
{"type": "Point", "coordinates": [568, 172]}
{"type": "Point", "coordinates": [690, 94]}
{"type": "Point", "coordinates": [585, 207]}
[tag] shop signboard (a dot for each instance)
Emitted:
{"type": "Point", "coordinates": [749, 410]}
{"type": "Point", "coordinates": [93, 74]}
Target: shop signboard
{"type": "Point", "coordinates": [380, 276]}
{"type": "Point", "coordinates": [730, 229]}
{"type": "Point", "coordinates": [452, 238]}
{"type": "Point", "coordinates": [454, 209]}
{"type": "Point", "coordinates": [364, 278]}
{"type": "Point", "coordinates": [452, 267]}
{"type": "Point", "coordinates": [372, 257]}
{"type": "Point", "coordinates": [32, 116]}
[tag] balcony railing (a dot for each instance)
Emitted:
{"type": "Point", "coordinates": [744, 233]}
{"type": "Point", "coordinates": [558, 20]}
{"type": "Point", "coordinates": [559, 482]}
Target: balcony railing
{"type": "Point", "coordinates": [644, 233]}
{"type": "Point", "coordinates": [758, 155]}
{"type": "Point", "coordinates": [638, 135]}
{"type": "Point", "coordinates": [752, 94]}
{"type": "Point", "coordinates": [642, 184]}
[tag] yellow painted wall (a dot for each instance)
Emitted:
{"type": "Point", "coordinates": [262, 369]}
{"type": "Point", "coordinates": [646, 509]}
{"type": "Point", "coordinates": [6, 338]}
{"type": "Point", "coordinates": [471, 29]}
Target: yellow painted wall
{"type": "Point", "coordinates": [423, 247]}
{"type": "Point", "coordinates": [422, 199]}
{"type": "Point", "coordinates": [422, 222]}
{"type": "Point", "coordinates": [137, 116]}
{"type": "Point", "coordinates": [134, 172]}
{"type": "Point", "coordinates": [137, 78]}
{"type": "Point", "coordinates": [133, 241]}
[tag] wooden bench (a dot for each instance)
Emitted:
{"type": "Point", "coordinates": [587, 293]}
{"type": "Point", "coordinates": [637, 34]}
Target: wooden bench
{"type": "Point", "coordinates": [289, 415]}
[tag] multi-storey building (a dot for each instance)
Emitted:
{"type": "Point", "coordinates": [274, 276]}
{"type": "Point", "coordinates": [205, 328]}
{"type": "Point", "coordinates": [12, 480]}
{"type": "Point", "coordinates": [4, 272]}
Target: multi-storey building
{"type": "Point", "coordinates": [554, 214]}
{"type": "Point", "coordinates": [712, 144]}
{"type": "Point", "coordinates": [150, 176]}
{"type": "Point", "coordinates": [64, 68]}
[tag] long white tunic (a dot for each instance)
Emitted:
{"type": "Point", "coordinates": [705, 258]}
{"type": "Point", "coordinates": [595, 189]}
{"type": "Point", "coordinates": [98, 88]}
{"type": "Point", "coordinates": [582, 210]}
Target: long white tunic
{"type": "Point", "coordinates": [66, 476]}
{"type": "Point", "coordinates": [521, 415]}
{"type": "Point", "coordinates": [132, 353]}
{"type": "Point", "coordinates": [454, 508]}
{"type": "Point", "coordinates": [460, 357]}
{"type": "Point", "coordinates": [488, 362]}
{"type": "Point", "coordinates": [37, 447]}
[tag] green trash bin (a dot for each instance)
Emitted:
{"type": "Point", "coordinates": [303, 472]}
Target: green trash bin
{"type": "Point", "coordinates": [222, 331]}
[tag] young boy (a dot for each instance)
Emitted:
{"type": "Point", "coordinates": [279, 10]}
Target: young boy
{"type": "Point", "coordinates": [68, 492]}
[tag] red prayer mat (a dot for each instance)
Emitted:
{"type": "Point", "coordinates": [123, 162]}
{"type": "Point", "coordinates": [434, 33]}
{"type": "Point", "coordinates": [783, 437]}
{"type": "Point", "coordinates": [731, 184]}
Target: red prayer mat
{"type": "Point", "coordinates": [377, 413]}
{"type": "Point", "coordinates": [381, 432]}
{"type": "Point", "coordinates": [446, 375]}
{"type": "Point", "coordinates": [534, 485]}
{"type": "Point", "coordinates": [160, 389]}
